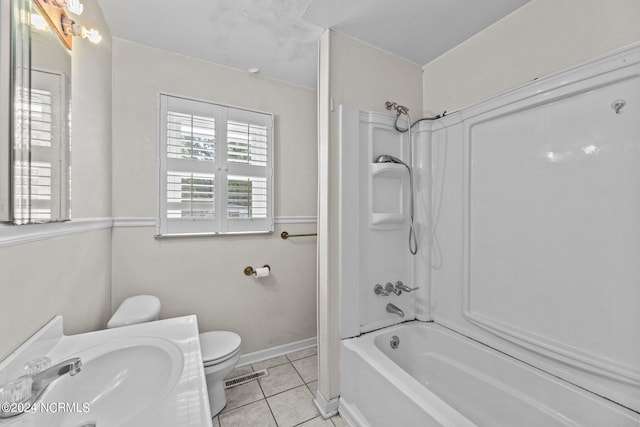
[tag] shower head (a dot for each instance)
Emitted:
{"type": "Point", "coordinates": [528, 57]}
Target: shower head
{"type": "Point", "coordinates": [388, 158]}
{"type": "Point", "coordinates": [390, 105]}
{"type": "Point", "coordinates": [399, 109]}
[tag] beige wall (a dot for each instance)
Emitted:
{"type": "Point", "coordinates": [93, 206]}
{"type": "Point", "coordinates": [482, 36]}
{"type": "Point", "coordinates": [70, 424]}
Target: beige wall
{"type": "Point", "coordinates": [540, 38]}
{"type": "Point", "coordinates": [364, 77]}
{"type": "Point", "coordinates": [205, 275]}
{"type": "Point", "coordinates": [91, 120]}
{"type": "Point", "coordinates": [68, 275]}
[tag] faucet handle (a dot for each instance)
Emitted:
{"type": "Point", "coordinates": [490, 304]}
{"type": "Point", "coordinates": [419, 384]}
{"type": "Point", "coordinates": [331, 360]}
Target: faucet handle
{"type": "Point", "coordinates": [389, 288]}
{"type": "Point", "coordinates": [379, 290]}
{"type": "Point", "coordinates": [16, 391]}
{"type": "Point", "coordinates": [38, 365]}
{"type": "Point", "coordinates": [402, 287]}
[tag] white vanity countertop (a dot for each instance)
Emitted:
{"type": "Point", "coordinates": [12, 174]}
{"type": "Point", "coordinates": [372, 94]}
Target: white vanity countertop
{"type": "Point", "coordinates": [184, 404]}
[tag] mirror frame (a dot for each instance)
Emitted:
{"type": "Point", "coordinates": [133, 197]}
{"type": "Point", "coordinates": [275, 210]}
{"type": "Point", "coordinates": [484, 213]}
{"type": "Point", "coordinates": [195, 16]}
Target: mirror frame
{"type": "Point", "coordinates": [6, 95]}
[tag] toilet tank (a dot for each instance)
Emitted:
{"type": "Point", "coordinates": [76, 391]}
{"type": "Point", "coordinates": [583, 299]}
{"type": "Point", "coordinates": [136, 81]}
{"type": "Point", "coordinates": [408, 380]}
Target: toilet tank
{"type": "Point", "coordinates": [133, 310]}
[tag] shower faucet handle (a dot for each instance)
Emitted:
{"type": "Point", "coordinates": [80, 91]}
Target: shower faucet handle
{"type": "Point", "coordinates": [390, 288]}
{"type": "Point", "coordinates": [402, 287]}
{"type": "Point", "coordinates": [379, 290]}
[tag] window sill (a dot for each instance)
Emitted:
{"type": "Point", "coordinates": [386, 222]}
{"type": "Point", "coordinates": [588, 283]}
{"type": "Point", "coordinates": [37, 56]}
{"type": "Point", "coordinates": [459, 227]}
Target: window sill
{"type": "Point", "coordinates": [235, 233]}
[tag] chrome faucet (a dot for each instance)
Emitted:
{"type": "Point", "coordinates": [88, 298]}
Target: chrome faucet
{"type": "Point", "coordinates": [42, 379]}
{"type": "Point", "coordinates": [379, 290]}
{"type": "Point", "coordinates": [39, 383]}
{"type": "Point", "coordinates": [389, 288]}
{"type": "Point", "coordinates": [402, 287]}
{"type": "Point", "coordinates": [394, 310]}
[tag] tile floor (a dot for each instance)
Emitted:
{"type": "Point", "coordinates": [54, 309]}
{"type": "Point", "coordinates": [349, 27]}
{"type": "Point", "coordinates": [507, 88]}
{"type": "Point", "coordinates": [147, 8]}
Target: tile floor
{"type": "Point", "coordinates": [281, 399]}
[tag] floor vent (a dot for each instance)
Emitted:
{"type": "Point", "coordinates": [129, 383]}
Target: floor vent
{"type": "Point", "coordinates": [243, 379]}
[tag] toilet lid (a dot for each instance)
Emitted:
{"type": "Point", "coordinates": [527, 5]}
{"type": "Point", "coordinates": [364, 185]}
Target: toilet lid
{"type": "Point", "coordinates": [217, 346]}
{"type": "Point", "coordinates": [133, 310]}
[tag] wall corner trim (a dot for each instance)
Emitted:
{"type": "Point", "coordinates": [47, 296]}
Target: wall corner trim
{"type": "Point", "coordinates": [327, 408]}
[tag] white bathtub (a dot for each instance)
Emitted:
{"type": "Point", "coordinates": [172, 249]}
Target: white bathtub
{"type": "Point", "coordinates": [437, 377]}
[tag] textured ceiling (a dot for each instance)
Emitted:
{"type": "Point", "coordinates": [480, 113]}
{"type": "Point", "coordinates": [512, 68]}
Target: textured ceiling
{"type": "Point", "coordinates": [279, 37]}
{"type": "Point", "coordinates": [417, 30]}
{"type": "Point", "coordinates": [266, 34]}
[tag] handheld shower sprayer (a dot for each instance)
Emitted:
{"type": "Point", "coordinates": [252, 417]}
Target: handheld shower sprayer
{"type": "Point", "coordinates": [388, 158]}
{"type": "Point", "coordinates": [399, 109]}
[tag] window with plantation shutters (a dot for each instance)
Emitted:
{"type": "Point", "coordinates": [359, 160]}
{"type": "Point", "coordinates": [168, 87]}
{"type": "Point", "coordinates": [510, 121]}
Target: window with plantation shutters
{"type": "Point", "coordinates": [216, 174]}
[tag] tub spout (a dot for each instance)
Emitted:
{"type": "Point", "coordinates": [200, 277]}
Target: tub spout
{"type": "Point", "coordinates": [395, 310]}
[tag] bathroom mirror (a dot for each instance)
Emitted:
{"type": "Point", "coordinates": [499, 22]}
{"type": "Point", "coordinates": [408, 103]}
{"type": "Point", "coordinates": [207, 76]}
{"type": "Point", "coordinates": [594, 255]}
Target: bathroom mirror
{"type": "Point", "coordinates": [39, 120]}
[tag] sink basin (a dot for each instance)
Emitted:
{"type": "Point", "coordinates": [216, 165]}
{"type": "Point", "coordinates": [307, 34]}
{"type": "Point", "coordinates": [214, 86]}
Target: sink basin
{"type": "Point", "coordinates": [117, 382]}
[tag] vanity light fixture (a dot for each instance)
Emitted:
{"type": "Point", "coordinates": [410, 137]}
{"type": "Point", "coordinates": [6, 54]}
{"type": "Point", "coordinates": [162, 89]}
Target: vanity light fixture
{"type": "Point", "coordinates": [70, 27]}
{"type": "Point", "coordinates": [55, 14]}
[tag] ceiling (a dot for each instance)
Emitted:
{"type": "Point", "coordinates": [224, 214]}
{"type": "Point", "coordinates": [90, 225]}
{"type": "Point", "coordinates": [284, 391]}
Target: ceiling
{"type": "Point", "coordinates": [279, 37]}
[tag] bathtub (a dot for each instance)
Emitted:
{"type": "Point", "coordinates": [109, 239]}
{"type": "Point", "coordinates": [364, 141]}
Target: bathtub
{"type": "Point", "coordinates": [437, 377]}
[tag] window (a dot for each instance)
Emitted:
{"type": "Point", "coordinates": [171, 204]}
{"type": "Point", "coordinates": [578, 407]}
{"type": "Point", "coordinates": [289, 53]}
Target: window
{"type": "Point", "coordinates": [216, 173]}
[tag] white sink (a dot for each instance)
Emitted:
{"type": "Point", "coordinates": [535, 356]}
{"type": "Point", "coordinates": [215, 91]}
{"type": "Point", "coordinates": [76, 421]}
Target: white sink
{"type": "Point", "coordinates": [118, 381]}
{"type": "Point", "coordinates": [145, 375]}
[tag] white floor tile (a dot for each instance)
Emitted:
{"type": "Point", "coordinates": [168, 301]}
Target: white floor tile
{"type": "Point", "coordinates": [307, 368]}
{"type": "Point", "coordinates": [255, 414]}
{"type": "Point", "coordinates": [292, 407]}
{"type": "Point", "coordinates": [313, 387]}
{"type": "Point", "coordinates": [280, 378]}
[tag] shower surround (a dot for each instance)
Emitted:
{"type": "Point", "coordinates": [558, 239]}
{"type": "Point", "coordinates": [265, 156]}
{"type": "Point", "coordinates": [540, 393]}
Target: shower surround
{"type": "Point", "coordinates": [527, 215]}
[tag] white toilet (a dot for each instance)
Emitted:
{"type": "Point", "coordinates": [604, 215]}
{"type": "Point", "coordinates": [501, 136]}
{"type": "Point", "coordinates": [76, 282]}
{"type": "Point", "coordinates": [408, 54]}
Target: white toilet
{"type": "Point", "coordinates": [220, 349]}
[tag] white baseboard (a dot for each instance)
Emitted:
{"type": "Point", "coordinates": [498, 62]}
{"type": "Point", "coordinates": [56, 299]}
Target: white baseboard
{"type": "Point", "coordinates": [279, 350]}
{"type": "Point", "coordinates": [352, 417]}
{"type": "Point", "coordinates": [327, 408]}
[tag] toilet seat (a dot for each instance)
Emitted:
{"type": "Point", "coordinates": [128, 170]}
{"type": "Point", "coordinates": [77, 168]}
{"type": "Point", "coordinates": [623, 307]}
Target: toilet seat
{"type": "Point", "coordinates": [218, 346]}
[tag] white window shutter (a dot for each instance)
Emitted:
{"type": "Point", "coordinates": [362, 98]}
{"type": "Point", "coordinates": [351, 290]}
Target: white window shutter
{"type": "Point", "coordinates": [216, 169]}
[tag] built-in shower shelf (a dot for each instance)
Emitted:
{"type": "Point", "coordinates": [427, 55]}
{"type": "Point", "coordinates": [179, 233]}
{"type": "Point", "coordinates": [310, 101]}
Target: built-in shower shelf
{"type": "Point", "coordinates": [387, 184]}
{"type": "Point", "coordinates": [388, 170]}
{"type": "Point", "coordinates": [386, 220]}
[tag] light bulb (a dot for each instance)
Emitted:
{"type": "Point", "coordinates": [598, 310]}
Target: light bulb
{"type": "Point", "coordinates": [75, 7]}
{"type": "Point", "coordinates": [93, 35]}
{"type": "Point", "coordinates": [38, 22]}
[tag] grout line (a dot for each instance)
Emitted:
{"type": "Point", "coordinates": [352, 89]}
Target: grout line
{"type": "Point", "coordinates": [275, 420]}
{"type": "Point", "coordinates": [312, 418]}
{"type": "Point", "coordinates": [266, 401]}
{"type": "Point", "coordinates": [294, 367]}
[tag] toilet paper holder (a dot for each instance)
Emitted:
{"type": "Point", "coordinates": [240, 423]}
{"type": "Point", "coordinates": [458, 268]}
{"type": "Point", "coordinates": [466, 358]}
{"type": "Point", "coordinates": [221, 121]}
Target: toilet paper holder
{"type": "Point", "coordinates": [249, 271]}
